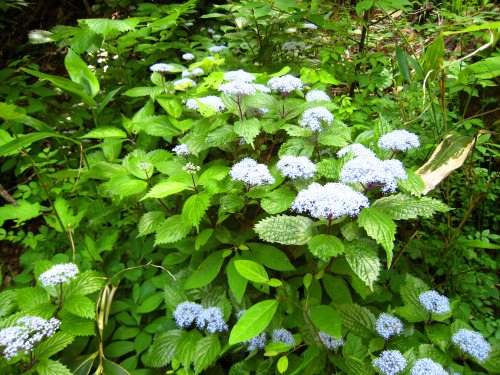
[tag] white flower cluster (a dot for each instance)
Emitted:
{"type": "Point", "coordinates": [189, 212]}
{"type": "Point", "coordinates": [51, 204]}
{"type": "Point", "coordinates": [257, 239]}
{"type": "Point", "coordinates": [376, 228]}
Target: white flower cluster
{"type": "Point", "coordinates": [217, 49]}
{"type": "Point", "coordinates": [193, 73]}
{"type": "Point", "coordinates": [181, 149]}
{"type": "Point", "coordinates": [390, 362]}
{"type": "Point", "coordinates": [317, 95]}
{"type": "Point", "coordinates": [238, 88]}
{"type": "Point", "coordinates": [251, 173]}
{"type": "Point", "coordinates": [314, 117]}
{"type": "Point", "coordinates": [371, 170]}
{"type": "Point", "coordinates": [294, 46]}
{"type": "Point", "coordinates": [184, 83]}
{"type": "Point", "coordinates": [161, 68]}
{"type": "Point", "coordinates": [239, 75]}
{"type": "Point", "coordinates": [331, 201]}
{"type": "Point", "coordinates": [214, 101]}
{"type": "Point", "coordinates": [143, 165]}
{"type": "Point", "coordinates": [188, 56]}
{"type": "Point", "coordinates": [285, 84]}
{"type": "Point", "coordinates": [357, 149]}
{"type": "Point", "coordinates": [296, 167]}
{"type": "Point", "coordinates": [189, 24]}
{"type": "Point", "coordinates": [399, 140]}
{"type": "Point", "coordinates": [427, 366]}
{"type": "Point", "coordinates": [191, 168]}
{"type": "Point", "coordinates": [263, 89]}
{"type": "Point", "coordinates": [27, 334]}
{"type": "Point", "coordinates": [58, 274]}
{"type": "Point", "coordinates": [311, 26]}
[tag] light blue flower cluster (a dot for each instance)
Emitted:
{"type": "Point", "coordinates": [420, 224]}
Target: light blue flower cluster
{"type": "Point", "coordinates": [188, 56]}
{"type": "Point", "coordinates": [399, 140]}
{"type": "Point", "coordinates": [161, 68]}
{"type": "Point", "coordinates": [284, 336]}
{"type": "Point", "coordinates": [331, 201]}
{"type": "Point", "coordinates": [58, 274]}
{"type": "Point", "coordinates": [427, 366]}
{"type": "Point", "coordinates": [315, 95]}
{"type": "Point", "coordinates": [390, 362]}
{"type": "Point", "coordinates": [263, 89]}
{"type": "Point", "coordinates": [29, 331]}
{"type": "Point", "coordinates": [213, 101]}
{"type": "Point", "coordinates": [238, 88]}
{"type": "Point", "coordinates": [211, 319]}
{"type": "Point", "coordinates": [239, 75]}
{"type": "Point", "coordinates": [189, 24]}
{"type": "Point", "coordinates": [314, 117]}
{"type": "Point", "coordinates": [257, 342]}
{"type": "Point", "coordinates": [357, 149]}
{"type": "Point", "coordinates": [251, 173]}
{"type": "Point", "coordinates": [216, 37]}
{"type": "Point", "coordinates": [370, 170]}
{"type": "Point", "coordinates": [311, 26]}
{"type": "Point", "coordinates": [331, 343]}
{"type": "Point", "coordinates": [473, 343]}
{"type": "Point", "coordinates": [387, 326]}
{"type": "Point", "coordinates": [192, 73]}
{"type": "Point", "coordinates": [181, 149]}
{"type": "Point", "coordinates": [217, 49]}
{"type": "Point", "coordinates": [285, 84]}
{"type": "Point", "coordinates": [184, 83]}
{"type": "Point", "coordinates": [296, 167]}
{"type": "Point", "coordinates": [435, 302]}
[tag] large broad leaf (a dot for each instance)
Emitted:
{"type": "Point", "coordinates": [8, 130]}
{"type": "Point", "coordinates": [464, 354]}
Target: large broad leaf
{"type": "Point", "coordinates": [173, 229]}
{"type": "Point", "coordinates": [105, 132]}
{"type": "Point", "coordinates": [278, 201]}
{"type": "Point", "coordinates": [363, 259]}
{"type": "Point", "coordinates": [80, 73]}
{"type": "Point", "coordinates": [206, 272]}
{"type": "Point", "coordinates": [186, 352]}
{"type": "Point", "coordinates": [149, 222]}
{"type": "Point", "coordinates": [165, 347]}
{"type": "Point", "coordinates": [413, 311]}
{"type": "Point", "coordinates": [253, 321]}
{"type": "Point", "coordinates": [413, 184]}
{"type": "Point", "coordinates": [80, 306]}
{"type": "Point", "coordinates": [237, 283]}
{"type": "Point", "coordinates": [126, 185]}
{"type": "Point", "coordinates": [448, 156]}
{"type": "Point", "coordinates": [207, 351]}
{"type": "Point", "coordinates": [403, 207]}
{"type": "Point", "coordinates": [271, 257]}
{"type": "Point", "coordinates": [194, 208]}
{"type": "Point", "coordinates": [251, 270]}
{"type": "Point", "coordinates": [53, 344]}
{"type": "Point", "coordinates": [327, 320]}
{"type": "Point", "coordinates": [404, 69]}
{"type": "Point", "coordinates": [23, 212]}
{"type": "Point", "coordinates": [380, 227]}
{"type": "Point", "coordinates": [248, 129]}
{"type": "Point", "coordinates": [10, 112]}
{"type": "Point", "coordinates": [287, 230]}
{"type": "Point", "coordinates": [433, 57]}
{"type": "Point", "coordinates": [165, 188]}
{"type": "Point", "coordinates": [107, 27]}
{"type": "Point", "coordinates": [50, 367]}
{"type": "Point", "coordinates": [27, 139]}
{"type": "Point", "coordinates": [357, 319]}
{"type": "Point", "coordinates": [325, 246]}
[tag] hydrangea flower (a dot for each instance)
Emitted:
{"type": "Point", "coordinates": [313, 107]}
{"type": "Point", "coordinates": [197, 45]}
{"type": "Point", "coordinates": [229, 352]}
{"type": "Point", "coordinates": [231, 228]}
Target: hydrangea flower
{"type": "Point", "coordinates": [311, 26]}
{"type": "Point", "coordinates": [357, 149]}
{"type": "Point", "coordinates": [331, 343]}
{"type": "Point", "coordinates": [188, 56]}
{"type": "Point", "coordinates": [473, 343]}
{"type": "Point", "coordinates": [217, 49]}
{"type": "Point", "coordinates": [263, 89]}
{"type": "Point", "coordinates": [191, 168]}
{"type": "Point", "coordinates": [251, 173]}
{"type": "Point", "coordinates": [387, 326]}
{"type": "Point", "coordinates": [399, 140]}
{"type": "Point", "coordinates": [390, 362]}
{"type": "Point", "coordinates": [427, 366]}
{"type": "Point", "coordinates": [193, 73]}
{"type": "Point", "coordinates": [371, 171]}
{"type": "Point", "coordinates": [211, 319]}
{"type": "Point", "coordinates": [211, 31]}
{"type": "Point", "coordinates": [186, 313]}
{"type": "Point", "coordinates": [238, 88]}
{"type": "Point", "coordinates": [161, 68]}
{"type": "Point", "coordinates": [214, 101]}
{"type": "Point", "coordinates": [293, 46]}
{"type": "Point", "coordinates": [434, 302]}
{"type": "Point", "coordinates": [29, 331]}
{"type": "Point", "coordinates": [257, 342]}
{"type": "Point", "coordinates": [331, 201]}
{"type": "Point", "coordinates": [240, 313]}
{"type": "Point", "coordinates": [181, 149]}
{"type": "Point", "coordinates": [284, 336]}
{"type": "Point", "coordinates": [239, 75]}
{"type": "Point", "coordinates": [315, 95]}
{"type": "Point", "coordinates": [314, 117]}
{"type": "Point", "coordinates": [285, 84]}
{"type": "Point", "coordinates": [296, 167]}
{"type": "Point", "coordinates": [184, 83]}
{"type": "Point", "coordinates": [58, 274]}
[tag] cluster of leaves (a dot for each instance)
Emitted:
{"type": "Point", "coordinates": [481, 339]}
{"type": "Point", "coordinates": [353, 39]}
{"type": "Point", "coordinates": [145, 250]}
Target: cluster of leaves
{"type": "Point", "coordinates": [121, 203]}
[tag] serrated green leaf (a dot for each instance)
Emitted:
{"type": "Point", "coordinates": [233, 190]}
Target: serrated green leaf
{"type": "Point", "coordinates": [10, 112]}
{"type": "Point", "coordinates": [172, 230]}
{"type": "Point", "coordinates": [165, 347]}
{"type": "Point", "coordinates": [186, 352]}
{"type": "Point", "coordinates": [80, 306]}
{"type": "Point", "coordinates": [271, 257]}
{"type": "Point", "coordinates": [363, 259]}
{"type": "Point", "coordinates": [105, 26]}
{"type": "Point", "coordinates": [327, 320]}
{"type": "Point", "coordinates": [53, 344]}
{"type": "Point", "coordinates": [144, 91]}
{"type": "Point", "coordinates": [251, 270]}
{"type": "Point", "coordinates": [357, 319]}
{"type": "Point", "coordinates": [23, 212]}
{"type": "Point", "coordinates": [354, 347]}
{"type": "Point", "coordinates": [352, 366]}
{"type": "Point", "coordinates": [413, 184]}
{"type": "Point", "coordinates": [194, 208]}
{"type": "Point", "coordinates": [439, 334]}
{"type": "Point", "coordinates": [325, 246]}
{"type": "Point", "coordinates": [165, 188]}
{"type": "Point", "coordinates": [207, 349]}
{"type": "Point", "coordinates": [248, 129]}
{"type": "Point", "coordinates": [297, 147]}
{"type": "Point", "coordinates": [403, 207]}
{"type": "Point", "coordinates": [278, 201]}
{"type": "Point", "coordinates": [206, 272]}
{"type": "Point", "coordinates": [30, 297]}
{"type": "Point", "coordinates": [50, 367]}
{"type": "Point", "coordinates": [413, 311]}
{"type": "Point", "coordinates": [380, 227]}
{"type": "Point", "coordinates": [253, 321]}
{"type": "Point", "coordinates": [287, 230]}
{"type": "Point", "coordinates": [126, 185]}
{"type": "Point", "coordinates": [85, 283]}
{"type": "Point", "coordinates": [149, 222]}
{"type": "Point", "coordinates": [8, 302]}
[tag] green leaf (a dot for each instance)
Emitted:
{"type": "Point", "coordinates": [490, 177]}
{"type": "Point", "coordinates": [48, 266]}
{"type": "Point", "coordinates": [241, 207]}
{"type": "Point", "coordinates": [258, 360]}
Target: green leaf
{"type": "Point", "coordinates": [50, 367]}
{"type": "Point", "coordinates": [287, 230]}
{"type": "Point", "coordinates": [27, 139]}
{"type": "Point", "coordinates": [165, 347]}
{"type": "Point", "coordinates": [237, 283]}
{"type": "Point", "coordinates": [206, 272]}
{"type": "Point", "coordinates": [23, 212]}
{"type": "Point", "coordinates": [363, 259]}
{"type": "Point", "coordinates": [296, 147]}
{"type": "Point", "coordinates": [217, 172]}
{"type": "Point", "coordinates": [433, 57]}
{"type": "Point", "coordinates": [325, 246]}
{"type": "Point", "coordinates": [80, 73]}
{"type": "Point", "coordinates": [53, 344]}
{"type": "Point", "coordinates": [278, 201]}
{"type": "Point", "coordinates": [171, 105]}
{"type": "Point", "coordinates": [80, 306]}
{"type": "Point", "coordinates": [439, 334]}
{"type": "Point", "coordinates": [172, 230]}
{"type": "Point", "coordinates": [380, 227]}
{"type": "Point", "coordinates": [126, 185]}
{"type": "Point", "coordinates": [159, 126]}
{"type": "Point", "coordinates": [149, 222]}
{"type": "Point", "coordinates": [282, 365]}
{"type": "Point", "coordinates": [413, 311]}
{"type": "Point", "coordinates": [327, 320]}
{"type": "Point", "coordinates": [105, 132]}
{"type": "Point", "coordinates": [8, 301]}
{"type": "Point", "coordinates": [354, 347]}
{"type": "Point", "coordinates": [413, 184]}
{"type": "Point", "coordinates": [248, 129]}
{"type": "Point", "coordinates": [194, 208]}
{"type": "Point", "coordinates": [30, 297]}
{"type": "Point", "coordinates": [404, 69]}
{"type": "Point", "coordinates": [82, 365]}
{"type": "Point", "coordinates": [477, 244]}
{"type": "Point", "coordinates": [251, 270]}
{"type": "Point", "coordinates": [207, 349]}
{"type": "Point", "coordinates": [357, 319]}
{"type": "Point", "coordinates": [337, 289]}
{"type": "Point", "coordinates": [253, 321]}
{"type": "Point", "coordinates": [165, 188]}
{"type": "Point", "coordinates": [475, 27]}
{"type": "Point", "coordinates": [105, 26]}
{"type": "Point", "coordinates": [85, 283]}
{"type": "Point", "coordinates": [403, 207]}
{"type": "Point", "coordinates": [260, 100]}
{"type": "Point", "coordinates": [111, 368]}
{"type": "Point", "coordinates": [118, 348]}
{"type": "Point", "coordinates": [144, 91]}
{"type": "Point", "coordinates": [271, 257]}
{"type": "Point", "coordinates": [187, 347]}
{"type": "Point", "coordinates": [202, 238]}
{"type": "Point", "coordinates": [10, 112]}
{"type": "Point", "coordinates": [151, 303]}
{"type": "Point", "coordinates": [77, 326]}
